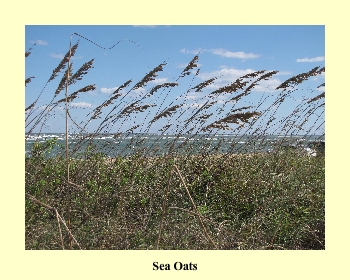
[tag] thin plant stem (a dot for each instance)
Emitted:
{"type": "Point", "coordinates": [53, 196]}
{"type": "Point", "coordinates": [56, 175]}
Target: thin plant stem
{"type": "Point", "coordinates": [67, 158]}
{"type": "Point", "coordinates": [195, 208]}
{"type": "Point", "coordinates": [57, 215]}
{"type": "Point", "coordinates": [59, 228]}
{"type": "Point", "coordinates": [164, 207]}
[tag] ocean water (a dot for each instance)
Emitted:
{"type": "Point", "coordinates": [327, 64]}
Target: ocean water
{"type": "Point", "coordinates": [113, 145]}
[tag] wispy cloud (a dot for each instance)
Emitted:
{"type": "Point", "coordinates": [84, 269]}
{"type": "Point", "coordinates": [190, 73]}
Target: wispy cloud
{"type": "Point", "coordinates": [222, 52]}
{"type": "Point", "coordinates": [145, 26]}
{"type": "Point", "coordinates": [321, 89]}
{"type": "Point", "coordinates": [54, 55]}
{"type": "Point", "coordinates": [138, 91]}
{"type": "Point", "coordinates": [159, 81]}
{"type": "Point", "coordinates": [51, 108]}
{"type": "Point", "coordinates": [184, 65]}
{"type": "Point", "coordinates": [195, 51]}
{"type": "Point", "coordinates": [39, 42]}
{"type": "Point", "coordinates": [282, 73]}
{"type": "Point", "coordinates": [61, 56]}
{"type": "Point", "coordinates": [314, 59]}
{"type": "Point", "coordinates": [319, 77]}
{"type": "Point", "coordinates": [108, 90]}
{"type": "Point", "coordinates": [81, 105]}
{"type": "Point", "coordinates": [225, 75]}
{"type": "Point", "coordinates": [241, 55]}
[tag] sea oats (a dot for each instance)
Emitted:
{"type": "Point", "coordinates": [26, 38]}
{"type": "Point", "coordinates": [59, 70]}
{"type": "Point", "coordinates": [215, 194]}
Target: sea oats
{"type": "Point", "coordinates": [113, 96]}
{"type": "Point", "coordinates": [238, 118]}
{"type": "Point", "coordinates": [199, 87]}
{"type": "Point", "coordinates": [83, 70]}
{"type": "Point", "coordinates": [75, 94]}
{"type": "Point", "coordinates": [253, 75]}
{"type": "Point", "coordinates": [27, 53]}
{"type": "Point", "coordinates": [150, 76]}
{"type": "Point", "coordinates": [321, 85]}
{"type": "Point", "coordinates": [73, 78]}
{"type": "Point", "coordinates": [30, 107]}
{"type": "Point", "coordinates": [205, 116]}
{"type": "Point", "coordinates": [166, 113]}
{"type": "Point", "coordinates": [63, 62]}
{"type": "Point", "coordinates": [298, 79]}
{"type": "Point", "coordinates": [63, 82]}
{"type": "Point", "coordinates": [253, 84]}
{"type": "Point", "coordinates": [157, 87]}
{"type": "Point", "coordinates": [121, 87]}
{"type": "Point", "coordinates": [132, 128]}
{"type": "Point", "coordinates": [219, 126]}
{"type": "Point", "coordinates": [244, 117]}
{"type": "Point", "coordinates": [28, 80]}
{"type": "Point", "coordinates": [322, 95]}
{"type": "Point", "coordinates": [190, 66]}
{"type": "Point", "coordinates": [242, 108]}
{"type": "Point", "coordinates": [267, 76]}
{"type": "Point", "coordinates": [233, 87]}
{"type": "Point", "coordinates": [134, 107]}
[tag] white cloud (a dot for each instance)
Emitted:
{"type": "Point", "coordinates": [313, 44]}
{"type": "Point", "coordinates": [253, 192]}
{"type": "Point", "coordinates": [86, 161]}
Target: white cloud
{"type": "Point", "coordinates": [81, 105]}
{"type": "Point", "coordinates": [315, 59]}
{"type": "Point", "coordinates": [184, 65]}
{"type": "Point", "coordinates": [222, 52]}
{"type": "Point", "coordinates": [321, 76]}
{"type": "Point", "coordinates": [138, 91]}
{"type": "Point", "coordinates": [193, 105]}
{"type": "Point", "coordinates": [39, 42]}
{"type": "Point", "coordinates": [267, 86]}
{"type": "Point", "coordinates": [61, 56]}
{"type": "Point", "coordinates": [321, 89]}
{"type": "Point", "coordinates": [227, 75]}
{"type": "Point", "coordinates": [145, 26]}
{"type": "Point", "coordinates": [281, 73]}
{"type": "Point", "coordinates": [189, 97]}
{"type": "Point", "coordinates": [54, 55]}
{"type": "Point", "coordinates": [159, 81]}
{"type": "Point", "coordinates": [43, 107]}
{"type": "Point", "coordinates": [186, 51]}
{"type": "Point", "coordinates": [241, 55]}
{"type": "Point", "coordinates": [108, 90]}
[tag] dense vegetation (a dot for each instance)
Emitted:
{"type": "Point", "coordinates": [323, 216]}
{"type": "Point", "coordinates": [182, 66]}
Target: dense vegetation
{"type": "Point", "coordinates": [262, 201]}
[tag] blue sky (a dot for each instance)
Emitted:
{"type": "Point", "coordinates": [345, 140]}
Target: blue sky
{"type": "Point", "coordinates": [225, 52]}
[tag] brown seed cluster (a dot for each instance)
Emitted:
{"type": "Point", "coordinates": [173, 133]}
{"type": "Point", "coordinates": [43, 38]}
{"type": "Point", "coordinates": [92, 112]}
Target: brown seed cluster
{"type": "Point", "coordinates": [63, 62]}
{"type": "Point", "coordinates": [149, 76]}
{"type": "Point", "coordinates": [157, 87]}
{"type": "Point", "coordinates": [238, 118]}
{"type": "Point", "coordinates": [199, 87]}
{"type": "Point", "coordinates": [322, 95]}
{"type": "Point", "coordinates": [191, 65]}
{"type": "Point", "coordinates": [167, 113]}
{"type": "Point", "coordinates": [75, 94]}
{"type": "Point", "coordinates": [298, 79]}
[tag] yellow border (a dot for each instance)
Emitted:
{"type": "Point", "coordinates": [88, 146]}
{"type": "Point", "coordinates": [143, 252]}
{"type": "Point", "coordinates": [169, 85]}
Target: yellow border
{"type": "Point", "coordinates": [20, 264]}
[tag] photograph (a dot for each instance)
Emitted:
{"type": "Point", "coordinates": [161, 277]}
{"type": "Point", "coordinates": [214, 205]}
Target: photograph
{"type": "Point", "coordinates": [174, 137]}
